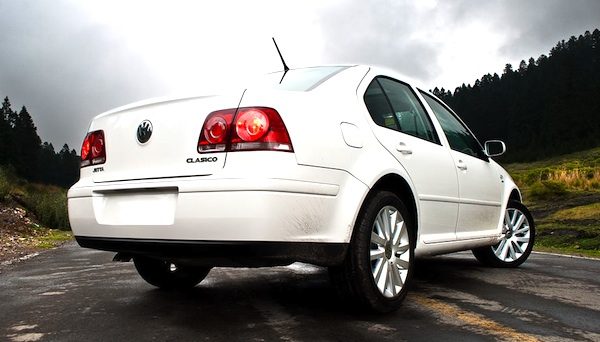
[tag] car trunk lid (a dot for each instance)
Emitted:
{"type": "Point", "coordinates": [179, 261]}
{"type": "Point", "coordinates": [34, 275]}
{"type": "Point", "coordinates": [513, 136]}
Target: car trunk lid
{"type": "Point", "coordinates": [172, 128]}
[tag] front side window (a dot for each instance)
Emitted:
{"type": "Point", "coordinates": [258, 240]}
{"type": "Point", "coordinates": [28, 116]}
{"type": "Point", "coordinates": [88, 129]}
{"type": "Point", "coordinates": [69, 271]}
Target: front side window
{"type": "Point", "coordinates": [459, 137]}
{"type": "Point", "coordinates": [393, 105]}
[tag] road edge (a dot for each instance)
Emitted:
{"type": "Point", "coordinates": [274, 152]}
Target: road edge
{"type": "Point", "coordinates": [566, 255]}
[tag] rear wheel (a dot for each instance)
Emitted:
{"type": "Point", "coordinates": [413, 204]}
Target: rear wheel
{"type": "Point", "coordinates": [517, 242]}
{"type": "Point", "coordinates": [378, 268]}
{"type": "Point", "coordinates": [168, 275]}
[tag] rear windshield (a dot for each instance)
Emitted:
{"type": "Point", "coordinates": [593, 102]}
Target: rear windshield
{"type": "Point", "coordinates": [304, 79]}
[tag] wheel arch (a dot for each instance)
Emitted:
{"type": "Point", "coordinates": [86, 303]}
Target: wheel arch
{"type": "Point", "coordinates": [398, 185]}
{"type": "Point", "coordinates": [515, 195]}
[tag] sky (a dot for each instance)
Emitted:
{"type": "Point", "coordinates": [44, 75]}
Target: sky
{"type": "Point", "coordinates": [68, 61]}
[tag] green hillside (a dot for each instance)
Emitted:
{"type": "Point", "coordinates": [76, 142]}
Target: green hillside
{"type": "Point", "coordinates": [563, 194]}
{"type": "Point", "coordinates": [33, 217]}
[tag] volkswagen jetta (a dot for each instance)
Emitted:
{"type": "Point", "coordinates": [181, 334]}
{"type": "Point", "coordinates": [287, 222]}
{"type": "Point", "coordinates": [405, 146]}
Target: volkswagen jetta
{"type": "Point", "coordinates": [349, 167]}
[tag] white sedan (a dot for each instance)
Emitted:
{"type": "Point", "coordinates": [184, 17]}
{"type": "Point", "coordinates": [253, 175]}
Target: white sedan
{"type": "Point", "coordinates": [347, 167]}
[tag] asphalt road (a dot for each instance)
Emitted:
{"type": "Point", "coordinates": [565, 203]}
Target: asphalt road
{"type": "Point", "coordinates": [75, 294]}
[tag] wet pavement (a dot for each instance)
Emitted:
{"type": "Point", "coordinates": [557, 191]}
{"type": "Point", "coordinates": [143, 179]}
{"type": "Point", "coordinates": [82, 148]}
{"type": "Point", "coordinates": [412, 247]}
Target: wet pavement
{"type": "Point", "coordinates": [76, 294]}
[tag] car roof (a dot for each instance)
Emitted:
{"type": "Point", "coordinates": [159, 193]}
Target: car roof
{"type": "Point", "coordinates": [373, 69]}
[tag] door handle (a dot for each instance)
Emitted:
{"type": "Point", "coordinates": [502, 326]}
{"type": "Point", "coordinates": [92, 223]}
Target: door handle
{"type": "Point", "coordinates": [461, 166]}
{"type": "Point", "coordinates": [402, 148]}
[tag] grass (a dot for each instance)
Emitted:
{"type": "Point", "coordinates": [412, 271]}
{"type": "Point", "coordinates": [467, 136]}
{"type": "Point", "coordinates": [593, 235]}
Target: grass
{"type": "Point", "coordinates": [6, 181]}
{"type": "Point", "coordinates": [563, 194]}
{"type": "Point", "coordinates": [568, 251]}
{"type": "Point", "coordinates": [568, 173]}
{"type": "Point", "coordinates": [47, 202]}
{"type": "Point", "coordinates": [53, 238]}
{"type": "Point", "coordinates": [583, 212]}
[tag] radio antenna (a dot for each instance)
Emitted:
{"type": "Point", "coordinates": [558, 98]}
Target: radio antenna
{"type": "Point", "coordinates": [285, 67]}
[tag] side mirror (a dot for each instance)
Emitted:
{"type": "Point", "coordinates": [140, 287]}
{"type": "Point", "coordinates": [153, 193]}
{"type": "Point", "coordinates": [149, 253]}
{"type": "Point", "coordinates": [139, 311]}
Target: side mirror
{"type": "Point", "coordinates": [494, 148]}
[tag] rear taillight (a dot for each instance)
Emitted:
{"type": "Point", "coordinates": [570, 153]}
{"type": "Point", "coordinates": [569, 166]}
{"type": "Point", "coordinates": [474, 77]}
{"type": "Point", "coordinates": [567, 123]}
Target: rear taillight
{"type": "Point", "coordinates": [214, 136]}
{"type": "Point", "coordinates": [93, 151]}
{"type": "Point", "coordinates": [251, 124]}
{"type": "Point", "coordinates": [244, 129]}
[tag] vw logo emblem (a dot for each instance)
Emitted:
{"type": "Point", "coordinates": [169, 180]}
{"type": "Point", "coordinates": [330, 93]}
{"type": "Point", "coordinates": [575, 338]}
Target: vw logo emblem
{"type": "Point", "coordinates": [144, 131]}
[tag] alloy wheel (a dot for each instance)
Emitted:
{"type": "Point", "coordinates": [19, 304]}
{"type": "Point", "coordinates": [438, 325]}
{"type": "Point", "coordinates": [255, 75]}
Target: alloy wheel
{"type": "Point", "coordinates": [516, 236]}
{"type": "Point", "coordinates": [390, 251]}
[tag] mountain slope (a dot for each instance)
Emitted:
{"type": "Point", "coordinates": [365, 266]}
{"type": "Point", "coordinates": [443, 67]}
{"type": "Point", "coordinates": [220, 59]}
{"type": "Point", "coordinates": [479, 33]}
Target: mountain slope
{"type": "Point", "coordinates": [563, 194]}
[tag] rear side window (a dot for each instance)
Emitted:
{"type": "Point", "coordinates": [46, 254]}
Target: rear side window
{"type": "Point", "coordinates": [379, 107]}
{"type": "Point", "coordinates": [393, 105]}
{"type": "Point", "coordinates": [459, 136]}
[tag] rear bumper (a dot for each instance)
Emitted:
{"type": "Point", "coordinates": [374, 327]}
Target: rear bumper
{"type": "Point", "coordinates": [224, 253]}
{"type": "Point", "coordinates": [307, 216]}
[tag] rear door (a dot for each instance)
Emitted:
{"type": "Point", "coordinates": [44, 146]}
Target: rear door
{"type": "Point", "coordinates": [480, 184]}
{"type": "Point", "coordinates": [405, 130]}
{"type": "Point", "coordinates": [171, 150]}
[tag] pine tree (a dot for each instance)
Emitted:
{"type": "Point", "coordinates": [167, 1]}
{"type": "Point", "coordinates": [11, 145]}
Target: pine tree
{"type": "Point", "coordinates": [5, 132]}
{"type": "Point", "coordinates": [522, 67]}
{"type": "Point", "coordinates": [27, 143]}
{"type": "Point", "coordinates": [47, 164]}
{"type": "Point", "coordinates": [68, 166]}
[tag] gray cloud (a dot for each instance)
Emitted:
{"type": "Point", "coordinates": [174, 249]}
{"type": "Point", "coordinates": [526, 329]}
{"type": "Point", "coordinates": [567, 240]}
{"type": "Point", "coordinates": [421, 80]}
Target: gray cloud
{"type": "Point", "coordinates": [64, 69]}
{"type": "Point", "coordinates": [537, 25]}
{"type": "Point", "coordinates": [532, 26]}
{"type": "Point", "coordinates": [379, 32]}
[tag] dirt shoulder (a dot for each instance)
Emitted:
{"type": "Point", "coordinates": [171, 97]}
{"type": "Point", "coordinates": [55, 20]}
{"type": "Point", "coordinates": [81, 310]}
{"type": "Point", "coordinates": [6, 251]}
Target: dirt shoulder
{"type": "Point", "coordinates": [21, 235]}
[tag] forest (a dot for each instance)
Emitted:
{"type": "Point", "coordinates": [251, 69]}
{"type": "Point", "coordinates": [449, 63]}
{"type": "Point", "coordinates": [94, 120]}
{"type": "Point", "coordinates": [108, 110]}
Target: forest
{"type": "Point", "coordinates": [23, 153]}
{"type": "Point", "coordinates": [546, 107]}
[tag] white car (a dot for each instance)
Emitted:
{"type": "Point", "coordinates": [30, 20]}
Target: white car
{"type": "Point", "coordinates": [347, 167]}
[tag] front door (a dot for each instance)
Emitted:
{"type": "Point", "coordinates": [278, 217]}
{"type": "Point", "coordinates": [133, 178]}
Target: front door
{"type": "Point", "coordinates": [480, 185]}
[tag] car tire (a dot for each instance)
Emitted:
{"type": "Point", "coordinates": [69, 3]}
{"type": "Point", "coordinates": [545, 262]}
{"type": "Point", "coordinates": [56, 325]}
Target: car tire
{"type": "Point", "coordinates": [517, 241]}
{"type": "Point", "coordinates": [168, 275]}
{"type": "Point", "coordinates": [378, 267]}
